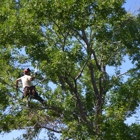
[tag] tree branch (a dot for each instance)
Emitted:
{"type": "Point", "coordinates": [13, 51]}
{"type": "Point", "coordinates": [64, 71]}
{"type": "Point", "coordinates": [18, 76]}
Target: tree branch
{"type": "Point", "coordinates": [51, 129]}
{"type": "Point", "coordinates": [77, 33]}
{"type": "Point", "coordinates": [95, 58]}
{"type": "Point", "coordinates": [80, 105]}
{"type": "Point", "coordinates": [93, 79]}
{"type": "Point", "coordinates": [84, 37]}
{"type": "Point", "coordinates": [68, 82]}
{"type": "Point", "coordinates": [80, 73]}
{"type": "Point", "coordinates": [122, 74]}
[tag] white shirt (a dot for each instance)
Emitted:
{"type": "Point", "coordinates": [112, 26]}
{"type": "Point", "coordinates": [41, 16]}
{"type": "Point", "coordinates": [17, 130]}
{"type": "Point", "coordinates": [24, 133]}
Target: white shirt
{"type": "Point", "coordinates": [26, 81]}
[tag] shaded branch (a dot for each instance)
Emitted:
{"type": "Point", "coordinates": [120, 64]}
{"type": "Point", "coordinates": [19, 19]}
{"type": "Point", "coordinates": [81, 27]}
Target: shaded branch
{"type": "Point", "coordinates": [93, 78]}
{"type": "Point", "coordinates": [77, 32]}
{"type": "Point", "coordinates": [95, 58]}
{"type": "Point", "coordinates": [84, 37]}
{"type": "Point", "coordinates": [68, 82]}
{"type": "Point", "coordinates": [51, 129]}
{"type": "Point", "coordinates": [79, 102]}
{"type": "Point", "coordinates": [80, 73]}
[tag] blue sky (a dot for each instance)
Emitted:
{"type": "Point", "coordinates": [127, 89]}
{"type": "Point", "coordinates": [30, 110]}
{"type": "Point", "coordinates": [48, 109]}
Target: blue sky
{"type": "Point", "coordinates": [130, 5]}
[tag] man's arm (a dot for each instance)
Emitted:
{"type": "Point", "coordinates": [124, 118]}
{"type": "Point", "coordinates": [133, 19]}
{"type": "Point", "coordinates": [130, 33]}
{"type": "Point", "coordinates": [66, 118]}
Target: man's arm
{"type": "Point", "coordinates": [32, 78]}
{"type": "Point", "coordinates": [17, 82]}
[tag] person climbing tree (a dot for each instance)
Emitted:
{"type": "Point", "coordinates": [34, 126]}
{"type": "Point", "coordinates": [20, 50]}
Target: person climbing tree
{"type": "Point", "coordinates": [28, 88]}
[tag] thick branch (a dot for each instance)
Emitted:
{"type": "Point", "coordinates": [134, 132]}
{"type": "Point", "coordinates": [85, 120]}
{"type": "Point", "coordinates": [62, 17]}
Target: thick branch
{"type": "Point", "coordinates": [68, 82]}
{"type": "Point", "coordinates": [84, 37]}
{"type": "Point", "coordinates": [80, 105]}
{"type": "Point", "coordinates": [77, 33]}
{"type": "Point", "coordinates": [100, 85]}
{"type": "Point", "coordinates": [95, 58]}
{"type": "Point", "coordinates": [62, 82]}
{"type": "Point", "coordinates": [93, 79]}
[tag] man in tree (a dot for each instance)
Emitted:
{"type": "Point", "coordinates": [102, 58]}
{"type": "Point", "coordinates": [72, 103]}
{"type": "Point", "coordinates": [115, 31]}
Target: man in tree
{"type": "Point", "coordinates": [28, 88]}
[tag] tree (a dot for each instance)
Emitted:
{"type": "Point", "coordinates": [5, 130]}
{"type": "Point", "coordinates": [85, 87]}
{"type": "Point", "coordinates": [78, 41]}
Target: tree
{"type": "Point", "coordinates": [73, 42]}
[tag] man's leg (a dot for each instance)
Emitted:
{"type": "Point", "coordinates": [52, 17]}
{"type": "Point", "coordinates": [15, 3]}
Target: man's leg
{"type": "Point", "coordinates": [25, 92]}
{"type": "Point", "coordinates": [37, 97]}
{"type": "Point", "coordinates": [25, 96]}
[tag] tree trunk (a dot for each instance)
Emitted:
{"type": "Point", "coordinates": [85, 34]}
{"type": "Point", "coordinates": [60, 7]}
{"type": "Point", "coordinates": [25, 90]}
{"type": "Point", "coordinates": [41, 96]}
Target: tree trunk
{"type": "Point", "coordinates": [98, 113]}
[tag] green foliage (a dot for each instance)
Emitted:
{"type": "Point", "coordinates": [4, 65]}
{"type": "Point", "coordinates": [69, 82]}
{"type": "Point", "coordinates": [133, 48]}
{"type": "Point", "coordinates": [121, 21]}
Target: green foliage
{"type": "Point", "coordinates": [72, 42]}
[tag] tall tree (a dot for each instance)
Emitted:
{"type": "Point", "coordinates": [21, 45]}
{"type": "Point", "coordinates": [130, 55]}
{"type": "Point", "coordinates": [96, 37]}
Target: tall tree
{"type": "Point", "coordinates": [73, 42]}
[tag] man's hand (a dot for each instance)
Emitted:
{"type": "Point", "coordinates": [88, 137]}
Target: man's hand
{"type": "Point", "coordinates": [32, 78]}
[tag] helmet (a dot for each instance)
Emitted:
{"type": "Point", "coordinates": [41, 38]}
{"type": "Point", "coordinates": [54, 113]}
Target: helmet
{"type": "Point", "coordinates": [26, 71]}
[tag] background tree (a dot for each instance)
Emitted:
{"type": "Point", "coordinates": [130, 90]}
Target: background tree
{"type": "Point", "coordinates": [72, 42]}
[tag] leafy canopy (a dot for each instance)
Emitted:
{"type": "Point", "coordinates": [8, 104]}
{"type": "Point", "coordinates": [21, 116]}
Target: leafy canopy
{"type": "Point", "coordinates": [73, 43]}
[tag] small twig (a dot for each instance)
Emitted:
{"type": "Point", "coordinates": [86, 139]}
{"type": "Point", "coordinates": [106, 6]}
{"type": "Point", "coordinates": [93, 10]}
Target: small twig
{"type": "Point", "coordinates": [122, 74]}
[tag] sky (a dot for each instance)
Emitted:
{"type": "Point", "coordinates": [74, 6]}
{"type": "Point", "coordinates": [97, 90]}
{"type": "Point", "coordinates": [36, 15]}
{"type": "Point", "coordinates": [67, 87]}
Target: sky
{"type": "Point", "coordinates": [130, 6]}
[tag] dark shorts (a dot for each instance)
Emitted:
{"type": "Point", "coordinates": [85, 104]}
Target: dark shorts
{"type": "Point", "coordinates": [31, 92]}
